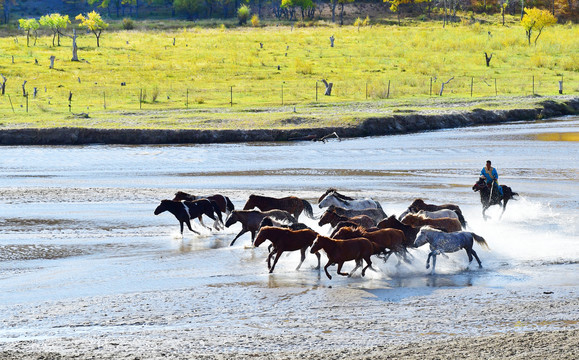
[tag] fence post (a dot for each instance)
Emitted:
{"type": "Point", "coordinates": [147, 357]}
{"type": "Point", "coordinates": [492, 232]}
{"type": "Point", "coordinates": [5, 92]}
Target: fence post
{"type": "Point", "coordinates": [104, 100]}
{"type": "Point", "coordinates": [141, 100]}
{"type": "Point", "coordinates": [231, 96]}
{"type": "Point", "coordinates": [27, 103]}
{"type": "Point", "coordinates": [431, 86]}
{"type": "Point", "coordinates": [561, 85]}
{"type": "Point", "coordinates": [70, 101]}
{"type": "Point", "coordinates": [12, 106]}
{"type": "Point", "coordinates": [366, 89]}
{"type": "Point", "coordinates": [187, 99]}
{"type": "Point", "coordinates": [471, 84]}
{"type": "Point", "coordinates": [388, 93]}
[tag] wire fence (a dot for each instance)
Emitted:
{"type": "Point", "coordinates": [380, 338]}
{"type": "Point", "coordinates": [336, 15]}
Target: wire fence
{"type": "Point", "coordinates": [79, 97]}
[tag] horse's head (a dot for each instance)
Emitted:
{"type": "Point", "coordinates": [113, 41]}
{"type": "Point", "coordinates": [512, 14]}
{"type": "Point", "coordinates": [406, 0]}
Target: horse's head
{"type": "Point", "coordinates": [325, 218]}
{"type": "Point", "coordinates": [318, 244]}
{"type": "Point", "coordinates": [163, 206]}
{"type": "Point", "coordinates": [261, 236]}
{"type": "Point", "coordinates": [409, 219]}
{"type": "Point", "coordinates": [180, 196]}
{"type": "Point", "coordinates": [421, 237]}
{"type": "Point", "coordinates": [480, 184]}
{"type": "Point", "coordinates": [232, 219]}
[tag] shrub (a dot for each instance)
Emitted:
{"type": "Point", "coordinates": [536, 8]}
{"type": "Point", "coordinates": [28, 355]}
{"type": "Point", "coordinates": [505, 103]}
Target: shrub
{"type": "Point", "coordinates": [128, 24]}
{"type": "Point", "coordinates": [255, 20]}
{"type": "Point", "coordinates": [243, 14]}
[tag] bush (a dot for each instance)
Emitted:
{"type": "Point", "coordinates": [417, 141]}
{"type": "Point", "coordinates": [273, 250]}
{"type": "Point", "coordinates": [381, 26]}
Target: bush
{"type": "Point", "coordinates": [128, 24]}
{"type": "Point", "coordinates": [255, 20]}
{"type": "Point", "coordinates": [243, 14]}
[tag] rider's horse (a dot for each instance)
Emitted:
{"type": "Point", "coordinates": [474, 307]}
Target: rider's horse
{"type": "Point", "coordinates": [442, 242]}
{"type": "Point", "coordinates": [491, 196]}
{"type": "Point", "coordinates": [291, 204]}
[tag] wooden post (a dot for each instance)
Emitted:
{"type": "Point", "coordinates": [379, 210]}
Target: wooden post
{"type": "Point", "coordinates": [488, 59]}
{"type": "Point", "coordinates": [442, 86]}
{"type": "Point", "coordinates": [3, 86]}
{"type": "Point", "coordinates": [328, 87]}
{"type": "Point", "coordinates": [26, 103]}
{"type": "Point", "coordinates": [12, 106]}
{"type": "Point", "coordinates": [388, 93]}
{"type": "Point", "coordinates": [366, 90]}
{"type": "Point", "coordinates": [24, 88]}
{"type": "Point", "coordinates": [141, 99]}
{"type": "Point", "coordinates": [332, 38]}
{"type": "Point", "coordinates": [52, 58]}
{"type": "Point", "coordinates": [431, 86]}
{"type": "Point", "coordinates": [561, 85]}
{"type": "Point", "coordinates": [70, 101]}
{"type": "Point", "coordinates": [471, 84]}
{"type": "Point", "coordinates": [231, 101]}
{"type": "Point", "coordinates": [187, 99]}
{"type": "Point", "coordinates": [74, 47]}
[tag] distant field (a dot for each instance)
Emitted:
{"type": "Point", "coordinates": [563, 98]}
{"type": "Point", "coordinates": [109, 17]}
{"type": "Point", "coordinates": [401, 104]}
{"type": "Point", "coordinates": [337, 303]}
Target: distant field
{"type": "Point", "coordinates": [206, 68]}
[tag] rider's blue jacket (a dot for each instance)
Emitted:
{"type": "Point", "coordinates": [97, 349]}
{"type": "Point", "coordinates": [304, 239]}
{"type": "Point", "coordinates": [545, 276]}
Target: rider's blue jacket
{"type": "Point", "coordinates": [490, 176]}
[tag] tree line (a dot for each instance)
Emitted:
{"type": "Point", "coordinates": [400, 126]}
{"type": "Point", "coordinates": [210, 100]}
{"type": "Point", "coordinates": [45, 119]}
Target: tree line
{"type": "Point", "coordinates": [289, 10]}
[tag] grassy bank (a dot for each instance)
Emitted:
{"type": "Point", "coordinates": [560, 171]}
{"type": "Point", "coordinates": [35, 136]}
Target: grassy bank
{"type": "Point", "coordinates": [216, 78]}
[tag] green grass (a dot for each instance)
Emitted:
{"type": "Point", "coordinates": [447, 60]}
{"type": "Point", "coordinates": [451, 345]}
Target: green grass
{"type": "Point", "coordinates": [209, 63]}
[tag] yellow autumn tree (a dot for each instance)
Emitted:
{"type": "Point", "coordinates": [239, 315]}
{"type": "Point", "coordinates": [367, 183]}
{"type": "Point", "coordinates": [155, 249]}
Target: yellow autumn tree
{"type": "Point", "coordinates": [94, 23]}
{"type": "Point", "coordinates": [395, 5]}
{"type": "Point", "coordinates": [536, 20]}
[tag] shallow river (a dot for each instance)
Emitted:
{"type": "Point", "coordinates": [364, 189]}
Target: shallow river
{"type": "Point", "coordinates": [78, 221]}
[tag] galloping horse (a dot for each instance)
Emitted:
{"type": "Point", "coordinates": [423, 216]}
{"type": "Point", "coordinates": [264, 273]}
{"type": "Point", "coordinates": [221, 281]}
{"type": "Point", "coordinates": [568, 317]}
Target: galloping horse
{"type": "Point", "coordinates": [375, 214]}
{"type": "Point", "coordinates": [487, 199]}
{"type": "Point", "coordinates": [419, 204]}
{"type": "Point", "coordinates": [330, 217]}
{"type": "Point", "coordinates": [267, 221]}
{"type": "Point", "coordinates": [410, 232]}
{"type": "Point", "coordinates": [385, 241]}
{"type": "Point", "coordinates": [340, 251]}
{"type": "Point", "coordinates": [444, 224]}
{"type": "Point", "coordinates": [291, 204]}
{"type": "Point", "coordinates": [441, 242]}
{"type": "Point", "coordinates": [186, 210]}
{"type": "Point", "coordinates": [250, 220]}
{"type": "Point", "coordinates": [332, 197]}
{"type": "Point", "coordinates": [223, 202]}
{"type": "Point", "coordinates": [444, 213]}
{"type": "Point", "coordinates": [286, 240]}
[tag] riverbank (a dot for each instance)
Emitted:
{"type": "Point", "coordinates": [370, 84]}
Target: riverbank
{"type": "Point", "coordinates": [305, 123]}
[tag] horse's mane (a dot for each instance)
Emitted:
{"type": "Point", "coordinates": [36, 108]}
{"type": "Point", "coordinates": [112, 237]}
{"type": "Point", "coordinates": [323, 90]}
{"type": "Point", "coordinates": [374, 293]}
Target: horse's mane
{"type": "Point", "coordinates": [336, 194]}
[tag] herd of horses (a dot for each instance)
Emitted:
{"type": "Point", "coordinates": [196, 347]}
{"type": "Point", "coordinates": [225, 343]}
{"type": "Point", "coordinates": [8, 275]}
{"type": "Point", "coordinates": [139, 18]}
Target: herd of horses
{"type": "Point", "coordinates": [360, 227]}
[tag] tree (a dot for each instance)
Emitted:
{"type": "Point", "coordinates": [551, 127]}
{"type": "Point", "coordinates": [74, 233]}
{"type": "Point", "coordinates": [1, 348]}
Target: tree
{"type": "Point", "coordinates": [189, 7]}
{"type": "Point", "coordinates": [536, 20]}
{"type": "Point", "coordinates": [342, 3]}
{"type": "Point", "coordinates": [243, 14]}
{"type": "Point", "coordinates": [29, 25]}
{"type": "Point", "coordinates": [94, 23]}
{"type": "Point", "coordinates": [55, 22]}
{"type": "Point", "coordinates": [5, 8]}
{"type": "Point", "coordinates": [503, 5]}
{"type": "Point", "coordinates": [395, 5]}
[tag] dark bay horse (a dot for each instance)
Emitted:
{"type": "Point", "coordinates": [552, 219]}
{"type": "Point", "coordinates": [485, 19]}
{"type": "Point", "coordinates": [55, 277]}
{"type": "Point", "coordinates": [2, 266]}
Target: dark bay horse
{"type": "Point", "coordinates": [291, 204]}
{"type": "Point", "coordinates": [444, 224]}
{"type": "Point", "coordinates": [286, 240]}
{"type": "Point", "coordinates": [186, 210]}
{"type": "Point", "coordinates": [340, 251]}
{"type": "Point", "coordinates": [375, 214]}
{"type": "Point", "coordinates": [410, 232]}
{"type": "Point", "coordinates": [442, 242]}
{"type": "Point", "coordinates": [250, 220]}
{"type": "Point", "coordinates": [385, 241]}
{"type": "Point", "coordinates": [223, 202]}
{"type": "Point", "coordinates": [487, 199]}
{"type": "Point", "coordinates": [330, 217]}
{"type": "Point", "coordinates": [419, 204]}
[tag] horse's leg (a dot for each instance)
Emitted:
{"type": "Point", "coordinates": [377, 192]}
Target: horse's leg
{"type": "Point", "coordinates": [319, 261]}
{"type": "Point", "coordinates": [476, 257]}
{"type": "Point", "coordinates": [326, 269]}
{"type": "Point", "coordinates": [358, 264]}
{"type": "Point", "coordinates": [271, 253]}
{"type": "Point", "coordinates": [504, 207]}
{"type": "Point", "coordinates": [189, 226]}
{"type": "Point", "coordinates": [387, 255]}
{"type": "Point", "coordinates": [433, 263]}
{"type": "Point", "coordinates": [243, 231]}
{"type": "Point", "coordinates": [368, 265]}
{"type": "Point", "coordinates": [428, 259]}
{"type": "Point", "coordinates": [303, 251]}
{"type": "Point", "coordinates": [275, 261]}
{"type": "Point", "coordinates": [200, 217]}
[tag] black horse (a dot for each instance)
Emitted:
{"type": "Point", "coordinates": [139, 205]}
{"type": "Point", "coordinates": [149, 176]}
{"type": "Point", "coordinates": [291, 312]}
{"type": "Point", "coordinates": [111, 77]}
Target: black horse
{"type": "Point", "coordinates": [186, 210]}
{"type": "Point", "coordinates": [491, 196]}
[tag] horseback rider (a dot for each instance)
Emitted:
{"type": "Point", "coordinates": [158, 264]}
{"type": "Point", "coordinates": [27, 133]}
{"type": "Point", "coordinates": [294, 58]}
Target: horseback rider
{"type": "Point", "coordinates": [491, 177]}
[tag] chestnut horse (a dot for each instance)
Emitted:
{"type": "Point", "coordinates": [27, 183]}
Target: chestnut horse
{"type": "Point", "coordinates": [330, 217]}
{"type": "Point", "coordinates": [250, 220]}
{"type": "Point", "coordinates": [186, 210]}
{"type": "Point", "coordinates": [223, 202]}
{"type": "Point", "coordinates": [291, 204]}
{"type": "Point", "coordinates": [409, 231]}
{"type": "Point", "coordinates": [444, 224]}
{"type": "Point", "coordinates": [286, 240]}
{"type": "Point", "coordinates": [340, 251]}
{"type": "Point", "coordinates": [385, 241]}
{"type": "Point", "coordinates": [419, 204]}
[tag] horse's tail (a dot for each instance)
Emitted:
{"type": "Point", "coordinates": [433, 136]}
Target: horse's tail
{"type": "Point", "coordinates": [461, 219]}
{"type": "Point", "coordinates": [216, 210]}
{"type": "Point", "coordinates": [308, 209]}
{"type": "Point", "coordinates": [480, 240]}
{"type": "Point", "coordinates": [228, 204]}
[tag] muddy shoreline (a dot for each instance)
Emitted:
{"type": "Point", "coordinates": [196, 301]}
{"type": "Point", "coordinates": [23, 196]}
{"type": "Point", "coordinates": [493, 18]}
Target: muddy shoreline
{"type": "Point", "coordinates": [374, 126]}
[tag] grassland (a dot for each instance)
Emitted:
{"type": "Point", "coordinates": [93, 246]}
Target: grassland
{"type": "Point", "coordinates": [190, 84]}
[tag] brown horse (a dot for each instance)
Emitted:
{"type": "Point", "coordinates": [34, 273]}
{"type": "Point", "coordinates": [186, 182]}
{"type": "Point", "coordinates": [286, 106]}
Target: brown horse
{"type": "Point", "coordinates": [291, 204]}
{"type": "Point", "coordinates": [385, 241]}
{"type": "Point", "coordinates": [223, 202]}
{"type": "Point", "coordinates": [419, 204]}
{"type": "Point", "coordinates": [340, 251]}
{"type": "Point", "coordinates": [444, 224]}
{"type": "Point", "coordinates": [409, 231]}
{"type": "Point", "coordinates": [375, 214]}
{"type": "Point", "coordinates": [330, 217]}
{"type": "Point", "coordinates": [250, 220]}
{"type": "Point", "coordinates": [286, 240]}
